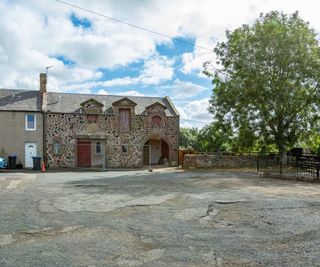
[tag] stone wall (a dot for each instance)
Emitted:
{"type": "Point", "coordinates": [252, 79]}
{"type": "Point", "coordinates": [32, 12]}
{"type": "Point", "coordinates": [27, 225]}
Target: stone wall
{"type": "Point", "coordinates": [211, 161]}
{"type": "Point", "coordinates": [72, 126]}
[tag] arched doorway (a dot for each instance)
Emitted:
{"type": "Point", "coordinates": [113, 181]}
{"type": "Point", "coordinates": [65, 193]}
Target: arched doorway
{"type": "Point", "coordinates": [156, 151]}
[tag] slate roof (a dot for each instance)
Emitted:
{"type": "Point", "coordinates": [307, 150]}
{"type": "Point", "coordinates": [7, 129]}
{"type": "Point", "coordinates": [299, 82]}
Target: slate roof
{"type": "Point", "coordinates": [19, 100]}
{"type": "Point", "coordinates": [68, 103]}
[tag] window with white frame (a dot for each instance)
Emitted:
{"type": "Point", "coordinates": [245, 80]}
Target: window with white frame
{"type": "Point", "coordinates": [31, 122]}
{"type": "Point", "coordinates": [57, 147]}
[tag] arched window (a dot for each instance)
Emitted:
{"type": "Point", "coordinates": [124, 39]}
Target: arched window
{"type": "Point", "coordinates": [156, 119]}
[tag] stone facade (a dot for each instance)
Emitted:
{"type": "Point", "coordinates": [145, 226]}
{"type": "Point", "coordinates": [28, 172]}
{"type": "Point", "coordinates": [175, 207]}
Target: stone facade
{"type": "Point", "coordinates": [211, 161]}
{"type": "Point", "coordinates": [88, 130]}
{"type": "Point", "coordinates": [69, 127]}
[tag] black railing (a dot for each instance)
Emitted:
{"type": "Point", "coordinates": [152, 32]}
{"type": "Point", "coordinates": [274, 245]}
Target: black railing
{"type": "Point", "coordinates": [300, 166]}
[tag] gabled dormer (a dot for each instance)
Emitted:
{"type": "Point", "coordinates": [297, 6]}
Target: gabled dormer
{"type": "Point", "coordinates": [155, 108]}
{"type": "Point", "coordinates": [156, 114]}
{"type": "Point", "coordinates": [91, 106]}
{"type": "Point", "coordinates": [124, 102]}
{"type": "Point", "coordinates": [124, 110]}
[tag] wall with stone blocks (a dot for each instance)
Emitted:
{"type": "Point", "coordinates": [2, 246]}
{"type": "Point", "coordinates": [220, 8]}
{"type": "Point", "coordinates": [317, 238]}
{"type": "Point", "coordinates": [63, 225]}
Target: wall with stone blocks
{"type": "Point", "coordinates": [210, 161]}
{"type": "Point", "coordinates": [70, 127]}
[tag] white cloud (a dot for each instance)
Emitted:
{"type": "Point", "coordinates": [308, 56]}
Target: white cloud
{"type": "Point", "coordinates": [193, 61]}
{"type": "Point", "coordinates": [102, 92]}
{"type": "Point", "coordinates": [124, 93]}
{"type": "Point", "coordinates": [182, 89]}
{"type": "Point", "coordinates": [34, 31]}
{"type": "Point", "coordinates": [194, 113]}
{"type": "Point", "coordinates": [156, 69]}
{"type": "Point", "coordinates": [129, 93]}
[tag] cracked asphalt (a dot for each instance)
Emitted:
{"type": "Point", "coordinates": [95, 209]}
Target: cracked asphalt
{"type": "Point", "coordinates": [165, 218]}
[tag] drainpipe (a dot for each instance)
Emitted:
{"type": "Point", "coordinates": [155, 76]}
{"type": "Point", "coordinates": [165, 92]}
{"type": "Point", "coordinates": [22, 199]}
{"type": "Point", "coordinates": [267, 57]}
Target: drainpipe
{"type": "Point", "coordinates": [44, 136]}
{"type": "Point", "coordinates": [178, 141]}
{"type": "Point", "coordinates": [150, 170]}
{"type": "Point", "coordinates": [43, 95]}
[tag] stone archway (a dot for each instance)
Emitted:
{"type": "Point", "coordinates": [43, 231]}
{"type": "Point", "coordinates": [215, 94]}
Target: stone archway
{"type": "Point", "coordinates": [157, 150]}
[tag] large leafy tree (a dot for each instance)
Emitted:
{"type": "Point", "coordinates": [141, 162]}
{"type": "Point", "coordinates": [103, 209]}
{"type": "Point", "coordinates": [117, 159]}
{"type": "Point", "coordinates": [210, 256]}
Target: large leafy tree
{"type": "Point", "coordinates": [214, 137]}
{"type": "Point", "coordinates": [188, 138]}
{"type": "Point", "coordinates": [266, 80]}
{"type": "Point", "coordinates": [211, 138]}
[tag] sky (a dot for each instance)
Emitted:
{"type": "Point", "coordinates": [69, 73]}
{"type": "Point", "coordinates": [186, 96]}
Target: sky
{"type": "Point", "coordinates": [91, 54]}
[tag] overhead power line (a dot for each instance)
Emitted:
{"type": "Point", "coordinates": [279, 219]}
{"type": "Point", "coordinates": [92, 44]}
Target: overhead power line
{"type": "Point", "coordinates": [134, 25]}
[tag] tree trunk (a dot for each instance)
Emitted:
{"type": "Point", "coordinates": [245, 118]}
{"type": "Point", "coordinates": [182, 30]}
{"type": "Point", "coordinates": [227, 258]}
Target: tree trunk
{"type": "Point", "coordinates": [283, 155]}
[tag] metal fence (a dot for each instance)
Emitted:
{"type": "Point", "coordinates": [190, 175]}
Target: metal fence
{"type": "Point", "coordinates": [307, 166]}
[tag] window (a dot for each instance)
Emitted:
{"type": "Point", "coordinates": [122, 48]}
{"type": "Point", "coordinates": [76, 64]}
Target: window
{"type": "Point", "coordinates": [92, 118]}
{"type": "Point", "coordinates": [57, 147]}
{"type": "Point", "coordinates": [156, 119]}
{"type": "Point", "coordinates": [98, 148]}
{"type": "Point", "coordinates": [125, 148]}
{"type": "Point", "coordinates": [125, 120]}
{"type": "Point", "coordinates": [30, 122]}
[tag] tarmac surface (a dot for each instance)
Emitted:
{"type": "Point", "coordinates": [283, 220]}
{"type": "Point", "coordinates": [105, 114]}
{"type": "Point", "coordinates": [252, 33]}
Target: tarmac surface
{"type": "Point", "coordinates": [164, 218]}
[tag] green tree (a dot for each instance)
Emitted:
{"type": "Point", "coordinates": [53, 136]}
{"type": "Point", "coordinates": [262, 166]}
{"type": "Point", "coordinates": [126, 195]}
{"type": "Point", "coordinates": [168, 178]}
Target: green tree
{"type": "Point", "coordinates": [313, 141]}
{"type": "Point", "coordinates": [214, 137]}
{"type": "Point", "coordinates": [188, 138]}
{"type": "Point", "coordinates": [267, 79]}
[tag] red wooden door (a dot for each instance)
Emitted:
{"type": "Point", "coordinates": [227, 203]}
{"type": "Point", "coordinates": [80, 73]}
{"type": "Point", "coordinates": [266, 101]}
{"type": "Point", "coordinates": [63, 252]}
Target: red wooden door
{"type": "Point", "coordinates": [84, 153]}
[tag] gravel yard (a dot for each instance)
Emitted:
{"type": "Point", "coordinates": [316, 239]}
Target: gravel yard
{"type": "Point", "coordinates": [164, 218]}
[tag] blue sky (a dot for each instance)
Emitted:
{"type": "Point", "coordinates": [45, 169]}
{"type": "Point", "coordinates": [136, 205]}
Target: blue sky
{"type": "Point", "coordinates": [173, 50]}
{"type": "Point", "coordinates": [94, 55]}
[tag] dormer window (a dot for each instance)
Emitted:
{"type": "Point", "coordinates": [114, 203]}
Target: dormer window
{"type": "Point", "coordinates": [156, 108]}
{"type": "Point", "coordinates": [125, 119]}
{"type": "Point", "coordinates": [91, 106]}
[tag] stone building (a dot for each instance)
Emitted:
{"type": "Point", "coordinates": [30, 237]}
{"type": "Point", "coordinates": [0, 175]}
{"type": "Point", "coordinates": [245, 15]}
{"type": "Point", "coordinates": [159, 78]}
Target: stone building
{"type": "Point", "coordinates": [82, 130]}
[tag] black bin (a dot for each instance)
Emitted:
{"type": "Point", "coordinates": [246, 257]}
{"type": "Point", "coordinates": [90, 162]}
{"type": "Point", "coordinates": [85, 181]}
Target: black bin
{"type": "Point", "coordinates": [36, 163]}
{"type": "Point", "coordinates": [12, 162]}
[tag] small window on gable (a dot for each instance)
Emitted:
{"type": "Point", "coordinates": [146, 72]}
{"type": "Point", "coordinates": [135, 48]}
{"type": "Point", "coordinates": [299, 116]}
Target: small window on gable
{"type": "Point", "coordinates": [125, 120]}
{"type": "Point", "coordinates": [156, 119]}
{"type": "Point", "coordinates": [30, 122]}
{"type": "Point", "coordinates": [98, 148]}
{"type": "Point", "coordinates": [57, 147]}
{"type": "Point", "coordinates": [125, 148]}
{"type": "Point", "coordinates": [92, 118]}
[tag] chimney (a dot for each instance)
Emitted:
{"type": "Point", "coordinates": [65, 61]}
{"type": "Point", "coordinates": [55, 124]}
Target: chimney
{"type": "Point", "coordinates": [43, 91]}
{"type": "Point", "coordinates": [43, 83]}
